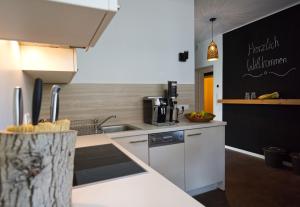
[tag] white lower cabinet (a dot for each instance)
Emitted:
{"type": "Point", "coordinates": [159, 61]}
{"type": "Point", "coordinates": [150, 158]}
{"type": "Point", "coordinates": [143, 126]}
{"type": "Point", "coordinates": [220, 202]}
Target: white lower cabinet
{"type": "Point", "coordinates": [196, 166]}
{"type": "Point", "coordinates": [137, 145]}
{"type": "Point", "coordinates": [204, 158]}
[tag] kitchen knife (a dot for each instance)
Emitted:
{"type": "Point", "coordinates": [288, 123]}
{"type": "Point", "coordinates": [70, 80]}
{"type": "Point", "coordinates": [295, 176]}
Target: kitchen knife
{"type": "Point", "coordinates": [54, 107]}
{"type": "Point", "coordinates": [18, 106]}
{"type": "Point", "coordinates": [37, 100]}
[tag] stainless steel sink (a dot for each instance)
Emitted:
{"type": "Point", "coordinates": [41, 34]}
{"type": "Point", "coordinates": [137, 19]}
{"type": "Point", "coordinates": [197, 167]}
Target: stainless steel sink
{"type": "Point", "coordinates": [117, 128]}
{"type": "Point", "coordinates": [92, 129]}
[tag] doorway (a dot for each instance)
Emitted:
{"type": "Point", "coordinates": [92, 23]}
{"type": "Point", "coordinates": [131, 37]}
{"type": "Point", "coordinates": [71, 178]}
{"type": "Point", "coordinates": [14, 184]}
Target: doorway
{"type": "Point", "coordinates": [208, 88]}
{"type": "Point", "coordinates": [204, 89]}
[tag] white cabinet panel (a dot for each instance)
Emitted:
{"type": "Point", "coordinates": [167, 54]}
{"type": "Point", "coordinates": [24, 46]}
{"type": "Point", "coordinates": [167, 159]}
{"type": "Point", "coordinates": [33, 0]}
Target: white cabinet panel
{"type": "Point", "coordinates": [204, 157]}
{"type": "Point", "coordinates": [168, 160]}
{"type": "Point", "coordinates": [137, 145]}
{"type": "Point", "coordinates": [48, 58]}
{"type": "Point", "coordinates": [102, 4]}
{"type": "Point", "coordinates": [76, 23]}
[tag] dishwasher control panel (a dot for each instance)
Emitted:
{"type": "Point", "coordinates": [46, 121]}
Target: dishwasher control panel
{"type": "Point", "coordinates": [165, 138]}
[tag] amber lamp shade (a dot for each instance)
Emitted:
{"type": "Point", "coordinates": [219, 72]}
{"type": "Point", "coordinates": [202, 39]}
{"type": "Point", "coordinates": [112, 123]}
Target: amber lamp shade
{"type": "Point", "coordinates": [212, 52]}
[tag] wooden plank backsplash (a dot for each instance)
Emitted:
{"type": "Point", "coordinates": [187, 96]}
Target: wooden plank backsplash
{"type": "Point", "coordinates": [89, 101]}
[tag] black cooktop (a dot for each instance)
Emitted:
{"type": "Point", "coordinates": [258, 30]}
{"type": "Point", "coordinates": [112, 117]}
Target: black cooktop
{"type": "Point", "coordinates": [102, 162]}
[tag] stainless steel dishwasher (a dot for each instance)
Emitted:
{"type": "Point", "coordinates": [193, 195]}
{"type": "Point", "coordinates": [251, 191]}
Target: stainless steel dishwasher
{"type": "Point", "coordinates": [166, 155]}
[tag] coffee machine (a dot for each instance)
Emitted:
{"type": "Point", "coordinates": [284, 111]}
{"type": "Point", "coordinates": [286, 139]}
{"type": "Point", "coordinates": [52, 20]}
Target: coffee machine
{"type": "Point", "coordinates": [161, 111]}
{"type": "Point", "coordinates": [155, 110]}
{"type": "Point", "coordinates": [171, 94]}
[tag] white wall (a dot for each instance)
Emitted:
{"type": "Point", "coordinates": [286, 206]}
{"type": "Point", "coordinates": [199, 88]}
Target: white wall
{"type": "Point", "coordinates": [11, 76]}
{"type": "Point", "coordinates": [141, 45]}
{"type": "Point", "coordinates": [201, 61]}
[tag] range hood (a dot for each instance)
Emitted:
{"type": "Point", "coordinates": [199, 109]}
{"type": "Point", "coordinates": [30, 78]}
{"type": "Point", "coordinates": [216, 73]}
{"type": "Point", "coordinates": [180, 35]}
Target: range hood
{"type": "Point", "coordinates": [68, 23]}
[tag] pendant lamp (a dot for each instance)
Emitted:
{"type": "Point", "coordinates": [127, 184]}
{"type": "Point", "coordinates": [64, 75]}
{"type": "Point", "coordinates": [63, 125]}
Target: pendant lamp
{"type": "Point", "coordinates": [212, 50]}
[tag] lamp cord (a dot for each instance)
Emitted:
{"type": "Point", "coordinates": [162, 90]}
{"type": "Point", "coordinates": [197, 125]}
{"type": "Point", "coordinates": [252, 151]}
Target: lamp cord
{"type": "Point", "coordinates": [212, 30]}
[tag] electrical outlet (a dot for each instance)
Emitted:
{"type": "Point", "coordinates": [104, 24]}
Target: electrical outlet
{"type": "Point", "coordinates": [183, 106]}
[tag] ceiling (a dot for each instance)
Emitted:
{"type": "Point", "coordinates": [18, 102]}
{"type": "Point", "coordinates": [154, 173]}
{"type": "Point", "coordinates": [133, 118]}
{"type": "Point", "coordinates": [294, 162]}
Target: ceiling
{"type": "Point", "coordinates": [231, 14]}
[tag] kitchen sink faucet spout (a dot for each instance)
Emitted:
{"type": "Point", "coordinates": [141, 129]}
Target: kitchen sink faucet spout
{"type": "Point", "coordinates": [98, 124]}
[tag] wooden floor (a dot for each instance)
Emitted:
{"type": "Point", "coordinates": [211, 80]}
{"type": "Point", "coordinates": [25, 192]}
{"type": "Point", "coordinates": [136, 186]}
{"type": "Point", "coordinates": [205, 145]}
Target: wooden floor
{"type": "Point", "coordinates": [249, 183]}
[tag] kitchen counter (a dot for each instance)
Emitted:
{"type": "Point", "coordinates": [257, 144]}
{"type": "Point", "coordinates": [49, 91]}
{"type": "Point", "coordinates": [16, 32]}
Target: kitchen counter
{"type": "Point", "coordinates": [148, 129]}
{"type": "Point", "coordinates": [148, 189]}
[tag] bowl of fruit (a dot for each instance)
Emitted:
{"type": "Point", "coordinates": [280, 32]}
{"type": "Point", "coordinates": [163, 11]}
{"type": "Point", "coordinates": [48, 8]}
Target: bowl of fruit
{"type": "Point", "coordinates": [200, 116]}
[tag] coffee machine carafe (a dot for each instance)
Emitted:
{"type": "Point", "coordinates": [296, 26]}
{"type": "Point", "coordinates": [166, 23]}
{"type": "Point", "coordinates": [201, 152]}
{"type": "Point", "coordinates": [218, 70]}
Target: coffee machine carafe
{"type": "Point", "coordinates": [172, 113]}
{"type": "Point", "coordinates": [155, 110]}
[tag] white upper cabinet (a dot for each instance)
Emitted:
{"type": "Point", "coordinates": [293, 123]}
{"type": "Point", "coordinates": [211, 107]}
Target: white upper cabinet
{"type": "Point", "coordinates": [51, 64]}
{"type": "Point", "coordinates": [72, 23]}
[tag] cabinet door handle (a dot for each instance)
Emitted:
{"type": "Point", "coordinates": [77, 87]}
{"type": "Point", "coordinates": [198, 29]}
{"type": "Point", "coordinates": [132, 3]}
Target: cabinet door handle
{"type": "Point", "coordinates": [191, 135]}
{"type": "Point", "coordinates": [138, 141]}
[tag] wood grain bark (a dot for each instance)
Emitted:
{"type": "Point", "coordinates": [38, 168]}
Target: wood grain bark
{"type": "Point", "coordinates": [36, 169]}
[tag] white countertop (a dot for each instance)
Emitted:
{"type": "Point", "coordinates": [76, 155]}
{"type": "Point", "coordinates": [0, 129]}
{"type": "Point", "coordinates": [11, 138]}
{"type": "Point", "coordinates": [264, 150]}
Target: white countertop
{"type": "Point", "coordinates": [148, 129]}
{"type": "Point", "coordinates": [148, 189]}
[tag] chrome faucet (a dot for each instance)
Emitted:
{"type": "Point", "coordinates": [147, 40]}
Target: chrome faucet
{"type": "Point", "coordinates": [98, 124]}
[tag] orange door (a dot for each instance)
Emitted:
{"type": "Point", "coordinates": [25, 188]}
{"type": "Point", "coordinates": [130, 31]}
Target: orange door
{"type": "Point", "coordinates": [208, 93]}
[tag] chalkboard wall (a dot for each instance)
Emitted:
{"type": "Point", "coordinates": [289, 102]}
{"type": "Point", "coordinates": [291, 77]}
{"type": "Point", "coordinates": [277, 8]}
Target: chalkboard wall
{"type": "Point", "coordinates": [263, 57]}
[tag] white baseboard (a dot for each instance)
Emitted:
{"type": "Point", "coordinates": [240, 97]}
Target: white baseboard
{"type": "Point", "coordinates": [288, 164]}
{"type": "Point", "coordinates": [245, 152]}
